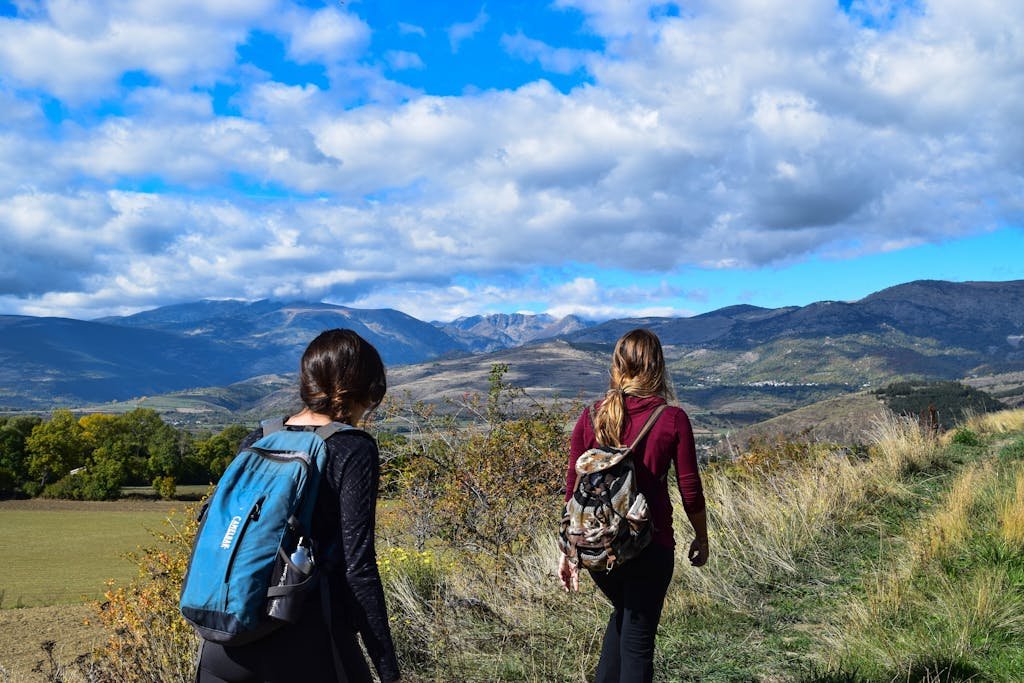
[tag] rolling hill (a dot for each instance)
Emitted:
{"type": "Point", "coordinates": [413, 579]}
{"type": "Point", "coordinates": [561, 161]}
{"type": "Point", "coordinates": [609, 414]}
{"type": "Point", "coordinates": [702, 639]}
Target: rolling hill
{"type": "Point", "coordinates": [47, 361]}
{"type": "Point", "coordinates": [738, 364]}
{"type": "Point", "coordinates": [274, 333]}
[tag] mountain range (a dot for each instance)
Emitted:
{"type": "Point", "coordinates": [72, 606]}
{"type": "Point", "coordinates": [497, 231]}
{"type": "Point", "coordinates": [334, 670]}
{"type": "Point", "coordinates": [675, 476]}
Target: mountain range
{"type": "Point", "coordinates": [484, 333]}
{"type": "Point", "coordinates": [931, 329]}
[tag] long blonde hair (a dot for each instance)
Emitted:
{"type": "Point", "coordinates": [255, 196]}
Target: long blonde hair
{"type": "Point", "coordinates": [638, 369]}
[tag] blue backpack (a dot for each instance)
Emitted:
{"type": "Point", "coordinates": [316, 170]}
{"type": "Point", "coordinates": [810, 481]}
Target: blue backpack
{"type": "Point", "coordinates": [248, 574]}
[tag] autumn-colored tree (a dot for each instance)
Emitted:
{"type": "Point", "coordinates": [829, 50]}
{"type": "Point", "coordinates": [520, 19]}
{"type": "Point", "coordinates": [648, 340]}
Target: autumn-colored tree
{"type": "Point", "coordinates": [488, 472]}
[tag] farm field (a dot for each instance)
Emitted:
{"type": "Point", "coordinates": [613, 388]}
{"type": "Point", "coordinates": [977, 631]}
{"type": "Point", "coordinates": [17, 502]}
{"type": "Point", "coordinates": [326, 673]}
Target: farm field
{"type": "Point", "coordinates": [61, 552]}
{"type": "Point", "coordinates": [22, 631]}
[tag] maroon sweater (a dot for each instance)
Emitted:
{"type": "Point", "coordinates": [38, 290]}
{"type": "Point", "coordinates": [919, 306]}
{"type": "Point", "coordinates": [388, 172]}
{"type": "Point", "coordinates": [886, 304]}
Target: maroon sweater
{"type": "Point", "coordinates": [670, 441]}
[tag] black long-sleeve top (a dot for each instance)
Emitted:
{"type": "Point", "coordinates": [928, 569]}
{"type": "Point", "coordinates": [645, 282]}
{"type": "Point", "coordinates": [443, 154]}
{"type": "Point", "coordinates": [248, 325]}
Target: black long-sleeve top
{"type": "Point", "coordinates": [343, 519]}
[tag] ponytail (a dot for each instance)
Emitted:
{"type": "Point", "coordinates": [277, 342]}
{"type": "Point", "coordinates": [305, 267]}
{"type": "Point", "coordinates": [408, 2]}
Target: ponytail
{"type": "Point", "coordinates": [610, 417]}
{"type": "Point", "coordinates": [638, 369]}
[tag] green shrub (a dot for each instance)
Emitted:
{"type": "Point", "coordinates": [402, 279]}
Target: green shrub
{"type": "Point", "coordinates": [147, 640]}
{"type": "Point", "coordinates": [484, 488]}
{"type": "Point", "coordinates": [1013, 450]}
{"type": "Point", "coordinates": [165, 487]}
{"type": "Point", "coordinates": [966, 437]}
{"type": "Point", "coordinates": [100, 481]}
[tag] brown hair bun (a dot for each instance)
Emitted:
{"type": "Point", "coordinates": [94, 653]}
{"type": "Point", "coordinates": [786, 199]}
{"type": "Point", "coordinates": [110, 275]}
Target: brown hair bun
{"type": "Point", "coordinates": [339, 371]}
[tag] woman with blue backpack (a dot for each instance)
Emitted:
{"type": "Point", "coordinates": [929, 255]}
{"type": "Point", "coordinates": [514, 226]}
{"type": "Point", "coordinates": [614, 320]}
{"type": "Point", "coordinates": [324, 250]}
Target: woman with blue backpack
{"type": "Point", "coordinates": [617, 521]}
{"type": "Point", "coordinates": [313, 639]}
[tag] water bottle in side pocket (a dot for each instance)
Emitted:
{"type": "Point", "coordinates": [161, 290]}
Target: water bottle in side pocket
{"type": "Point", "coordinates": [287, 606]}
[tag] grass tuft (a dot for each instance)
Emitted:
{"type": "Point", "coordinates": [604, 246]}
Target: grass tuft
{"type": "Point", "coordinates": [951, 524]}
{"type": "Point", "coordinates": [1011, 514]}
{"type": "Point", "coordinates": [1002, 422]}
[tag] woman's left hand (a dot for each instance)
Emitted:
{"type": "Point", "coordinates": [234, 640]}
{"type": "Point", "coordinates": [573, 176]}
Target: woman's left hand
{"type": "Point", "coordinates": [569, 575]}
{"type": "Point", "coordinates": [698, 552]}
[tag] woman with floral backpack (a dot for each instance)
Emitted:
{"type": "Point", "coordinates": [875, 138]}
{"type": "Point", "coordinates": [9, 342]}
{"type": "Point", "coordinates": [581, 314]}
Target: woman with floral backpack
{"type": "Point", "coordinates": [629, 440]}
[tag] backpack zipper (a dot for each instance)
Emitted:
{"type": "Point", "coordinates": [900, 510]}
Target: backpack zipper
{"type": "Point", "coordinates": [254, 514]}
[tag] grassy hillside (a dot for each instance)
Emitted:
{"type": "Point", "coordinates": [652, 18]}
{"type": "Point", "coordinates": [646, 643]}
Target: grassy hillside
{"type": "Point", "coordinates": [206, 407]}
{"type": "Point", "coordinates": [854, 359]}
{"type": "Point", "coordinates": [901, 563]}
{"type": "Point", "coordinates": [825, 567]}
{"type": "Point", "coordinates": [1008, 387]}
{"type": "Point", "coordinates": [846, 419]}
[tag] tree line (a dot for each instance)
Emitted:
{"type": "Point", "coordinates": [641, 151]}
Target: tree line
{"type": "Point", "coordinates": [92, 457]}
{"type": "Point", "coordinates": [951, 401]}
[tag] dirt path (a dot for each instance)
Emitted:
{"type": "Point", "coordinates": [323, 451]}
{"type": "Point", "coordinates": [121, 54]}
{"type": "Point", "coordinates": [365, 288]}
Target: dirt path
{"type": "Point", "coordinates": [22, 631]}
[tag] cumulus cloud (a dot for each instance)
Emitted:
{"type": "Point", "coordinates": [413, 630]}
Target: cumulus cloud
{"type": "Point", "coordinates": [328, 35]}
{"type": "Point", "coordinates": [736, 135]}
{"type": "Point", "coordinates": [79, 50]}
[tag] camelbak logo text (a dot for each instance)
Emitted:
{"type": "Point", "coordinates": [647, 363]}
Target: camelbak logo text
{"type": "Point", "coordinates": [232, 530]}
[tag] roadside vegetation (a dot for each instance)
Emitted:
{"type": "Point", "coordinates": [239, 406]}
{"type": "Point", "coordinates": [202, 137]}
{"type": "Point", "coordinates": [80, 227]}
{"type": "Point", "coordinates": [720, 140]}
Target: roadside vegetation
{"type": "Point", "coordinates": [900, 558]}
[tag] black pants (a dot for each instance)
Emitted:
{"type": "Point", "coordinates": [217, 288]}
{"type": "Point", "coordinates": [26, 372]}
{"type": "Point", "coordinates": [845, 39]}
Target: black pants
{"type": "Point", "coordinates": [637, 592]}
{"type": "Point", "coordinates": [298, 652]}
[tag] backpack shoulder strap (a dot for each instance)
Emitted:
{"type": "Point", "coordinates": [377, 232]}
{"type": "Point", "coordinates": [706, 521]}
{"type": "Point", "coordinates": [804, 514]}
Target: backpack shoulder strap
{"type": "Point", "coordinates": [274, 424]}
{"type": "Point", "coordinates": [647, 425]}
{"type": "Point", "coordinates": [328, 430]}
{"type": "Point", "coordinates": [325, 432]}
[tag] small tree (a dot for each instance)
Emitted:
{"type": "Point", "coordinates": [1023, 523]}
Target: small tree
{"type": "Point", "coordinates": [488, 471]}
{"type": "Point", "coordinates": [56, 447]}
{"type": "Point", "coordinates": [14, 458]}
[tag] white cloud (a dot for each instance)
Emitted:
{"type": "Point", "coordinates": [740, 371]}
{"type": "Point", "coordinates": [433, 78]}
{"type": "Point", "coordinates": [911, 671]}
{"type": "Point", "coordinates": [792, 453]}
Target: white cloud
{"type": "Point", "coordinates": [745, 133]}
{"type": "Point", "coordinates": [327, 36]}
{"type": "Point", "coordinates": [400, 60]}
{"type": "Point", "coordinates": [559, 60]}
{"type": "Point", "coordinates": [411, 29]}
{"type": "Point", "coordinates": [460, 32]}
{"type": "Point", "coordinates": [78, 51]}
{"type": "Point", "coordinates": [582, 296]}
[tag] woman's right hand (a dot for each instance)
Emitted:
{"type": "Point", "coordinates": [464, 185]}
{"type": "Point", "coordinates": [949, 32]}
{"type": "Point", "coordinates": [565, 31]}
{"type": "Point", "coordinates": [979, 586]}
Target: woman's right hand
{"type": "Point", "coordinates": [569, 575]}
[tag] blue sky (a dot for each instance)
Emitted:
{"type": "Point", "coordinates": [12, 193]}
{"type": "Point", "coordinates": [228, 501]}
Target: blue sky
{"type": "Point", "coordinates": [599, 157]}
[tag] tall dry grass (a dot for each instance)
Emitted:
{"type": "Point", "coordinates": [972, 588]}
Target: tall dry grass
{"type": "Point", "coordinates": [765, 527]}
{"type": "Point", "coordinates": [1001, 422]}
{"type": "Point", "coordinates": [953, 522]}
{"type": "Point", "coordinates": [1011, 513]}
{"type": "Point", "coordinates": [459, 624]}
{"type": "Point", "coordinates": [898, 447]}
{"type": "Point", "coordinates": [781, 522]}
{"type": "Point", "coordinates": [948, 598]}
